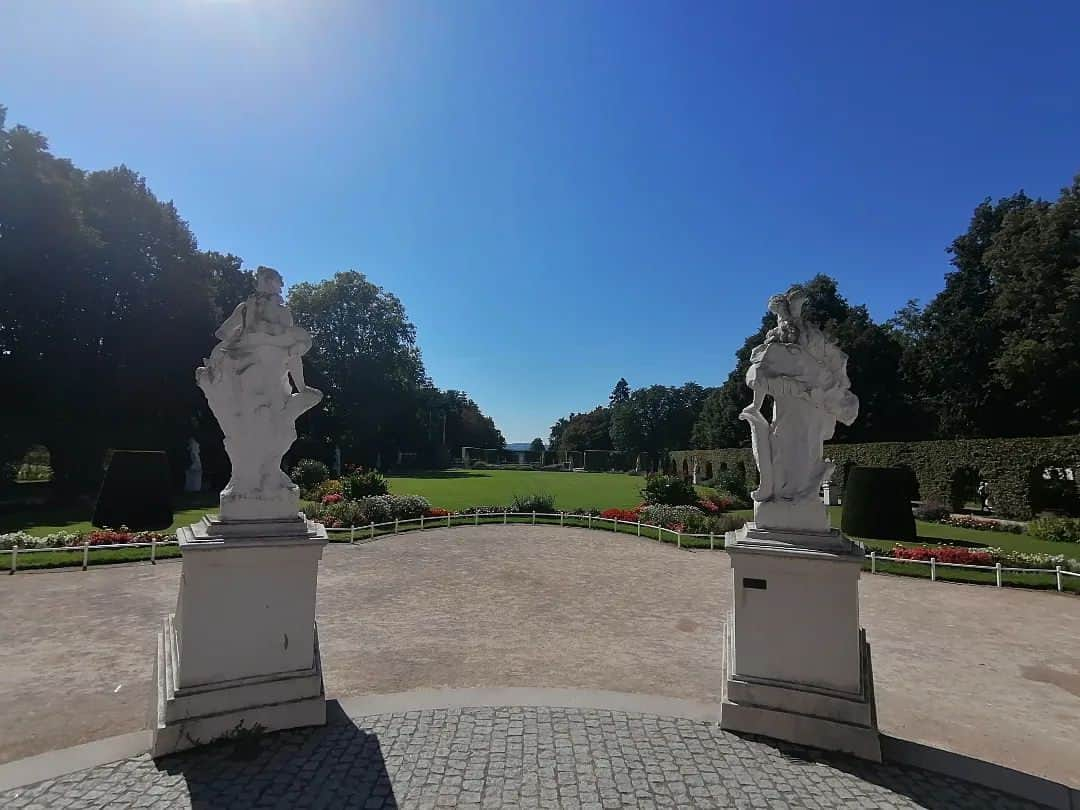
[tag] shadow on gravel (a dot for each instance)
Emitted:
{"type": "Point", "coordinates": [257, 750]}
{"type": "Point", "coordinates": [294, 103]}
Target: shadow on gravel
{"type": "Point", "coordinates": [336, 765]}
{"type": "Point", "coordinates": [928, 789]}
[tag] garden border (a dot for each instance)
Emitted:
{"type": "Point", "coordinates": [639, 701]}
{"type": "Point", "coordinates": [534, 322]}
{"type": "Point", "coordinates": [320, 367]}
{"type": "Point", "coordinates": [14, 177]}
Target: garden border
{"type": "Point", "coordinates": [1005, 464]}
{"type": "Point", "coordinates": [360, 535]}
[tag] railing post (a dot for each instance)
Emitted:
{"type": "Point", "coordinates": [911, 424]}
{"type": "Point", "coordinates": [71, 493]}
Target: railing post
{"type": "Point", "coordinates": [590, 521]}
{"type": "Point", "coordinates": [372, 530]}
{"type": "Point", "coordinates": [873, 562]}
{"type": "Point", "coordinates": [678, 539]}
{"type": "Point", "coordinates": [448, 519]}
{"type": "Point", "coordinates": [712, 542]}
{"type": "Point", "coordinates": [614, 524]}
{"type": "Point", "coordinates": [997, 571]}
{"type": "Point", "coordinates": [352, 533]}
{"type": "Point", "coordinates": [395, 525]}
{"type": "Point", "coordinates": [534, 517]}
{"type": "Point", "coordinates": [14, 558]}
{"type": "Point", "coordinates": [504, 517]}
{"type": "Point", "coordinates": [85, 554]}
{"type": "Point", "coordinates": [476, 518]}
{"type": "Point", "coordinates": [153, 549]}
{"type": "Point", "coordinates": [639, 527]}
{"type": "Point", "coordinates": [421, 522]}
{"type": "Point", "coordinates": [1057, 571]}
{"type": "Point", "coordinates": [933, 569]}
{"type": "Point", "coordinates": [562, 518]}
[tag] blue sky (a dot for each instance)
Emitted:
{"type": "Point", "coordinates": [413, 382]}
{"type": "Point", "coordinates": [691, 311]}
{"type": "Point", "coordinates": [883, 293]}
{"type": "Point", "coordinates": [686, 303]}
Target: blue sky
{"type": "Point", "coordinates": [563, 193]}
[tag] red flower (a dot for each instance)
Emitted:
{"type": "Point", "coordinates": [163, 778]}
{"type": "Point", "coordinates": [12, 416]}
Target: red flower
{"type": "Point", "coordinates": [436, 511]}
{"type": "Point", "coordinates": [333, 497]}
{"type": "Point", "coordinates": [628, 515]}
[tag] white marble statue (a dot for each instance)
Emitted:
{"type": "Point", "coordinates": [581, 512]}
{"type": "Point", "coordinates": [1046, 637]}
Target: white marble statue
{"type": "Point", "coordinates": [805, 374]}
{"type": "Point", "coordinates": [193, 473]}
{"type": "Point", "coordinates": [254, 382]}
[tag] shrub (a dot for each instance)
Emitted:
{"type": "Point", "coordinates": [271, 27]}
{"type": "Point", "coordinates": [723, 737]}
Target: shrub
{"type": "Point", "coordinates": [689, 519]}
{"type": "Point", "coordinates": [1056, 529]}
{"type": "Point", "coordinates": [136, 492]}
{"type": "Point", "coordinates": [670, 490]}
{"type": "Point", "coordinates": [331, 487]}
{"type": "Point", "coordinates": [308, 474]}
{"type": "Point", "coordinates": [877, 504]}
{"type": "Point", "coordinates": [537, 502]}
{"type": "Point", "coordinates": [23, 540]}
{"type": "Point", "coordinates": [733, 481]}
{"type": "Point", "coordinates": [944, 554]}
{"type": "Point", "coordinates": [725, 501]}
{"type": "Point", "coordinates": [373, 509]}
{"type": "Point", "coordinates": [365, 484]}
{"type": "Point", "coordinates": [931, 511]}
{"type": "Point", "coordinates": [333, 497]}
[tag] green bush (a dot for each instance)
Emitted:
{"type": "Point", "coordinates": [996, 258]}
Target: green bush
{"type": "Point", "coordinates": [877, 504]}
{"type": "Point", "coordinates": [689, 519]}
{"type": "Point", "coordinates": [332, 486]}
{"type": "Point", "coordinates": [932, 511]}
{"type": "Point", "coordinates": [372, 509]}
{"type": "Point", "coordinates": [668, 489]}
{"type": "Point", "coordinates": [309, 473]}
{"type": "Point", "coordinates": [537, 502]}
{"type": "Point", "coordinates": [364, 485]}
{"type": "Point", "coordinates": [1056, 529]}
{"type": "Point", "coordinates": [136, 491]}
{"type": "Point", "coordinates": [733, 481]}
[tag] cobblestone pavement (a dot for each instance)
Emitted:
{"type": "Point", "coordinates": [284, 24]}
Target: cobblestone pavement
{"type": "Point", "coordinates": [504, 757]}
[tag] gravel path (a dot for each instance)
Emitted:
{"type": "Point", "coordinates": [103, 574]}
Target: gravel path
{"type": "Point", "coordinates": [990, 673]}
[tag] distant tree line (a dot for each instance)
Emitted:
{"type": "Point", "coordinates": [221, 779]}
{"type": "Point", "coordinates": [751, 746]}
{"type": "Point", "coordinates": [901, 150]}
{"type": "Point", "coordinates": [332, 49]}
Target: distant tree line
{"type": "Point", "coordinates": [107, 305]}
{"type": "Point", "coordinates": [995, 354]}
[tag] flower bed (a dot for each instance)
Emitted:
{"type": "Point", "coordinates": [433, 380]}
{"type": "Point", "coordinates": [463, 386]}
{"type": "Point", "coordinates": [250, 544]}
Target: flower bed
{"type": "Point", "coordinates": [943, 554]}
{"type": "Point", "coordinates": [982, 524]}
{"type": "Point", "coordinates": [101, 537]}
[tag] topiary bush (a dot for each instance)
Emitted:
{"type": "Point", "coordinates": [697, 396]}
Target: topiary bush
{"type": "Point", "coordinates": [877, 504]}
{"type": "Point", "coordinates": [308, 474]}
{"type": "Point", "coordinates": [136, 491]}
{"type": "Point", "coordinates": [669, 489]}
{"type": "Point", "coordinates": [364, 485]}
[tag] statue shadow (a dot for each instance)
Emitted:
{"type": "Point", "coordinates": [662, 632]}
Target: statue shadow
{"type": "Point", "coordinates": [336, 765]}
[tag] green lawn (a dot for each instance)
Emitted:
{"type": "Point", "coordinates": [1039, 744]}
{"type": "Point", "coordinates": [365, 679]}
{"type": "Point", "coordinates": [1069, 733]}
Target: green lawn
{"type": "Point", "coordinates": [457, 489]}
{"type": "Point", "coordinates": [75, 518]}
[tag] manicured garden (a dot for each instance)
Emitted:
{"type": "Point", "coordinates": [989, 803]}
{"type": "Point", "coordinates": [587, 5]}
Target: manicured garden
{"type": "Point", "coordinates": [461, 497]}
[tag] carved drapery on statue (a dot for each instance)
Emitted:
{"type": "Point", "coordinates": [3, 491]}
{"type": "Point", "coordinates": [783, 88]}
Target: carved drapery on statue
{"type": "Point", "coordinates": [805, 375]}
{"type": "Point", "coordinates": [254, 382]}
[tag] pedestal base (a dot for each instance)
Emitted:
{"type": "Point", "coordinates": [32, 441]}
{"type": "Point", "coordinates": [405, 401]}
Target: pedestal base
{"type": "Point", "coordinates": [241, 653]}
{"type": "Point", "coordinates": [797, 666]}
{"type": "Point", "coordinates": [187, 718]}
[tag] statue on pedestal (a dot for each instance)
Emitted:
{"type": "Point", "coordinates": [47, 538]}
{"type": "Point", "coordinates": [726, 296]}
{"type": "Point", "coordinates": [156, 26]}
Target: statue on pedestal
{"type": "Point", "coordinates": [805, 374]}
{"type": "Point", "coordinates": [254, 382]}
{"type": "Point", "coordinates": [193, 473]}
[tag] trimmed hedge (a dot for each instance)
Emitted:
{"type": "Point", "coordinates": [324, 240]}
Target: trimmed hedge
{"type": "Point", "coordinates": [877, 505]}
{"type": "Point", "coordinates": [1010, 466]}
{"type": "Point", "coordinates": [136, 492]}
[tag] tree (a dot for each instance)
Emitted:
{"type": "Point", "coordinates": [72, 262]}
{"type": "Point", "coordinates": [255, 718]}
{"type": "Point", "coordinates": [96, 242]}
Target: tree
{"type": "Point", "coordinates": [587, 431]}
{"type": "Point", "coordinates": [104, 312]}
{"type": "Point", "coordinates": [536, 446]}
{"type": "Point", "coordinates": [620, 394]}
{"type": "Point", "coordinates": [364, 355]}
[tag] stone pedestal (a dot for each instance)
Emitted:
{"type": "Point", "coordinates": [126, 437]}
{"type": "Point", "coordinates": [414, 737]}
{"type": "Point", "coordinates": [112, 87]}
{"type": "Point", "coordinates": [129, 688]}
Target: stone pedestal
{"type": "Point", "coordinates": [241, 653]}
{"type": "Point", "coordinates": [797, 663]}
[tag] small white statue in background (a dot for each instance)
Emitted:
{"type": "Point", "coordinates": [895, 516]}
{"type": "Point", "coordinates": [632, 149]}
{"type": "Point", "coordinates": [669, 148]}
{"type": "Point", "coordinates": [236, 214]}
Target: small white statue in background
{"type": "Point", "coordinates": [193, 474]}
{"type": "Point", "coordinates": [805, 373]}
{"type": "Point", "coordinates": [254, 382]}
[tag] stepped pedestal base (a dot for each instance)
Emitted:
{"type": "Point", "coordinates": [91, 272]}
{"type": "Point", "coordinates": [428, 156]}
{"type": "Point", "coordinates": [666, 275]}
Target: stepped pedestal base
{"type": "Point", "coordinates": [797, 665]}
{"type": "Point", "coordinates": [241, 654]}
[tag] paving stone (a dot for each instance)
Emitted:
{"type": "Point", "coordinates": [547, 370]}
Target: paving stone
{"type": "Point", "coordinates": [523, 757]}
